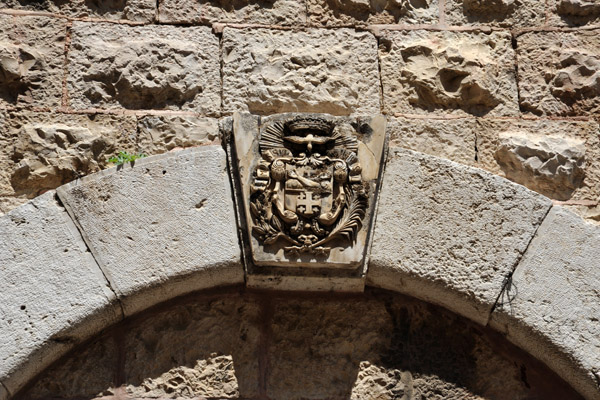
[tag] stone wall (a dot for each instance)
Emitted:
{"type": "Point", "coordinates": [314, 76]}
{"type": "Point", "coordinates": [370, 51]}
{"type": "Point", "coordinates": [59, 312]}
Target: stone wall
{"type": "Point", "coordinates": [511, 86]}
{"type": "Point", "coordinates": [239, 344]}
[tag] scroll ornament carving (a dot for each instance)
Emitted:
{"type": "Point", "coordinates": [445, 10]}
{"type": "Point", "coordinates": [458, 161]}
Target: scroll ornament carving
{"type": "Point", "coordinates": [307, 193]}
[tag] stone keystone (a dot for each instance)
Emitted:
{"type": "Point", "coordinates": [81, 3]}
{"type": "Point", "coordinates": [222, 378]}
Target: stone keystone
{"type": "Point", "coordinates": [308, 185]}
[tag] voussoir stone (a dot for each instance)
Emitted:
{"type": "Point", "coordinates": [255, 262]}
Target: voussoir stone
{"type": "Point", "coordinates": [144, 67]}
{"type": "Point", "coordinates": [504, 13]}
{"type": "Point", "coordinates": [133, 10]}
{"type": "Point", "coordinates": [562, 76]}
{"type": "Point", "coordinates": [54, 294]}
{"type": "Point", "coordinates": [31, 61]}
{"type": "Point", "coordinates": [448, 233]}
{"type": "Point", "coordinates": [161, 228]}
{"type": "Point", "coordinates": [448, 72]}
{"type": "Point", "coordinates": [327, 71]}
{"type": "Point", "coordinates": [267, 12]}
{"type": "Point", "coordinates": [551, 306]}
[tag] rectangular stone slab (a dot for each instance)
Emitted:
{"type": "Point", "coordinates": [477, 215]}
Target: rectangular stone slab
{"type": "Point", "coordinates": [164, 227]}
{"type": "Point", "coordinates": [53, 295]}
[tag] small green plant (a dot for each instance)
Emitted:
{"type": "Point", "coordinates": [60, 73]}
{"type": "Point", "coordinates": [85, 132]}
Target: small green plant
{"type": "Point", "coordinates": [124, 157]}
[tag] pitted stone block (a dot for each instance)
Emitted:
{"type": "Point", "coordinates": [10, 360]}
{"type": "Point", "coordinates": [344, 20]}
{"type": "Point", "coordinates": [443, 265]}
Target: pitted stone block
{"type": "Point", "coordinates": [161, 228]}
{"type": "Point", "coordinates": [448, 233]}
{"type": "Point", "coordinates": [53, 296]}
{"type": "Point", "coordinates": [550, 306]}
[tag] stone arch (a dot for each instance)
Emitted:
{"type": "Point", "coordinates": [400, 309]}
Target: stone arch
{"type": "Point", "coordinates": [80, 259]}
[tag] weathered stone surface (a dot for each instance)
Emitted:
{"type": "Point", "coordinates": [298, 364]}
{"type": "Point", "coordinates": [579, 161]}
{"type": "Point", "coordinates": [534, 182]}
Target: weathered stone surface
{"type": "Point", "coordinates": [41, 151]}
{"type": "Point", "coordinates": [454, 139]}
{"type": "Point", "coordinates": [206, 349]}
{"type": "Point", "coordinates": [362, 12]}
{"type": "Point", "coordinates": [545, 155]}
{"type": "Point", "coordinates": [562, 77]}
{"type": "Point", "coordinates": [574, 12]}
{"type": "Point", "coordinates": [53, 294]}
{"type": "Point", "coordinates": [505, 13]}
{"type": "Point", "coordinates": [31, 61]}
{"type": "Point", "coordinates": [144, 67]}
{"type": "Point", "coordinates": [448, 72]}
{"type": "Point", "coordinates": [326, 71]}
{"type": "Point", "coordinates": [161, 228]}
{"type": "Point", "coordinates": [99, 360]}
{"type": "Point", "coordinates": [268, 12]}
{"type": "Point", "coordinates": [326, 336]}
{"type": "Point", "coordinates": [158, 134]}
{"type": "Point", "coordinates": [551, 306]}
{"type": "Point", "coordinates": [133, 10]}
{"type": "Point", "coordinates": [370, 346]}
{"type": "Point", "coordinates": [450, 234]}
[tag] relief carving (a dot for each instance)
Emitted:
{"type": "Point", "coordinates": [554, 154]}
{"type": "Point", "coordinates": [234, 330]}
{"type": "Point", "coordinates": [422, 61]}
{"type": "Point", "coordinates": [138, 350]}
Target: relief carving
{"type": "Point", "coordinates": [308, 186]}
{"type": "Point", "coordinates": [308, 190]}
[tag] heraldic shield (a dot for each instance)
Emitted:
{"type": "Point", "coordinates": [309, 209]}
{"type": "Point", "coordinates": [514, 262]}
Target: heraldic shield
{"type": "Point", "coordinates": [307, 194]}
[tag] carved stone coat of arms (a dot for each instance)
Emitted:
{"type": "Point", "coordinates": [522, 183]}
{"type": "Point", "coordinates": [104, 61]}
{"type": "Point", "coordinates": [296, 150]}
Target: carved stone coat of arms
{"type": "Point", "coordinates": [308, 187]}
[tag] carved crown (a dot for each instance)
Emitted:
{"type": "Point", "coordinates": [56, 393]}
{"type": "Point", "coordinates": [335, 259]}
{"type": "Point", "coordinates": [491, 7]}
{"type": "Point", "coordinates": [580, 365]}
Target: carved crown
{"type": "Point", "coordinates": [302, 124]}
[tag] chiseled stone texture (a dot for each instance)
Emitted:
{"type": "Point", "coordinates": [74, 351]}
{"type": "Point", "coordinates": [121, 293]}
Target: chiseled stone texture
{"type": "Point", "coordinates": [559, 159]}
{"type": "Point", "coordinates": [361, 12]}
{"type": "Point", "coordinates": [160, 228]}
{"type": "Point", "coordinates": [562, 76]}
{"type": "Point", "coordinates": [40, 151]}
{"type": "Point", "coordinates": [158, 134]}
{"type": "Point", "coordinates": [453, 139]}
{"type": "Point", "coordinates": [319, 70]}
{"type": "Point", "coordinates": [504, 13]}
{"type": "Point", "coordinates": [552, 308]}
{"type": "Point", "coordinates": [133, 10]}
{"type": "Point", "coordinates": [53, 296]}
{"type": "Point", "coordinates": [99, 360]}
{"type": "Point", "coordinates": [448, 233]}
{"type": "Point", "coordinates": [207, 349]}
{"type": "Point", "coordinates": [267, 12]}
{"type": "Point", "coordinates": [375, 345]}
{"type": "Point", "coordinates": [448, 72]}
{"type": "Point", "coordinates": [31, 61]}
{"type": "Point", "coordinates": [144, 67]}
{"type": "Point", "coordinates": [574, 12]}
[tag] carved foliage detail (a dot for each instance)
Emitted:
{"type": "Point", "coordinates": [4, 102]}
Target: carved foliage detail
{"type": "Point", "coordinates": [307, 192]}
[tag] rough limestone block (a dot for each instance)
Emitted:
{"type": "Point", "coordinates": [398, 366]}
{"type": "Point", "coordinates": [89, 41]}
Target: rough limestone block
{"type": "Point", "coordinates": [40, 151]}
{"type": "Point", "coordinates": [267, 12]}
{"type": "Point", "coordinates": [161, 228]}
{"type": "Point", "coordinates": [448, 72]}
{"type": "Point", "coordinates": [453, 139]}
{"type": "Point", "coordinates": [53, 294]}
{"type": "Point", "coordinates": [551, 306]}
{"type": "Point", "coordinates": [325, 71]}
{"type": "Point", "coordinates": [144, 67]}
{"type": "Point", "coordinates": [360, 12]}
{"type": "Point", "coordinates": [205, 348]}
{"type": "Point", "coordinates": [562, 77]}
{"type": "Point", "coordinates": [450, 234]}
{"type": "Point", "coordinates": [574, 12]}
{"type": "Point", "coordinates": [158, 134]}
{"type": "Point", "coordinates": [559, 159]}
{"type": "Point", "coordinates": [31, 61]}
{"type": "Point", "coordinates": [133, 10]}
{"type": "Point", "coordinates": [504, 13]}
